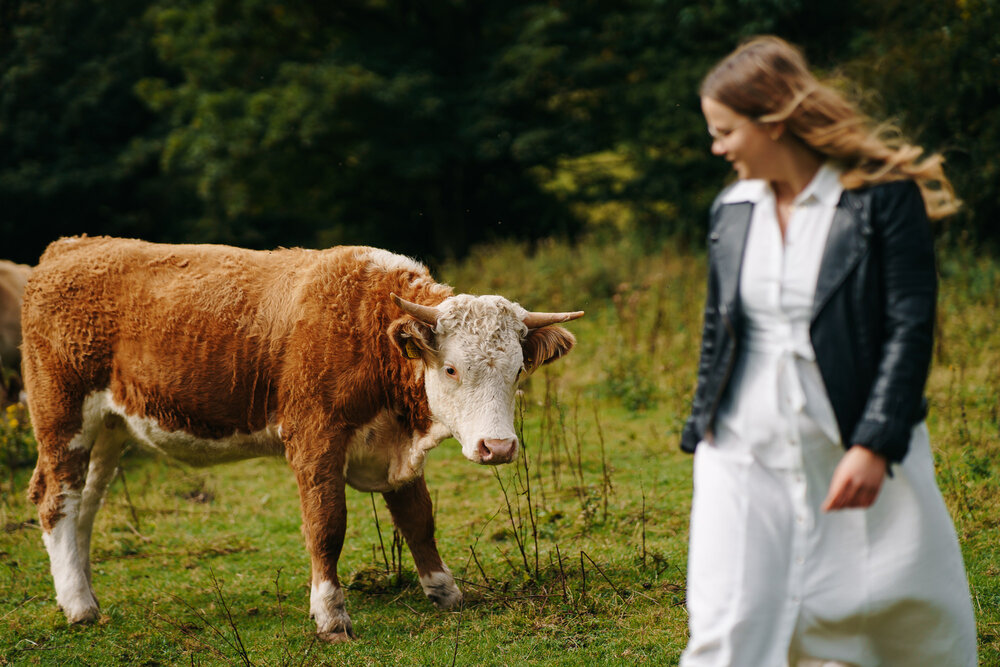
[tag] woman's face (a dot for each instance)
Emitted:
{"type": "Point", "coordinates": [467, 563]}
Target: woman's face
{"type": "Point", "coordinates": [743, 142]}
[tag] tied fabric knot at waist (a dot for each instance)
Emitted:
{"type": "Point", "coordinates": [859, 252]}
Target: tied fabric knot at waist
{"type": "Point", "coordinates": [787, 343]}
{"type": "Point", "coordinates": [778, 403]}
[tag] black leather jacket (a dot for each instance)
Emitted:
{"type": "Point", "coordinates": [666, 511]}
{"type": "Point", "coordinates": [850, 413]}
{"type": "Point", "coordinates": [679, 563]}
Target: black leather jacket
{"type": "Point", "coordinates": [873, 316]}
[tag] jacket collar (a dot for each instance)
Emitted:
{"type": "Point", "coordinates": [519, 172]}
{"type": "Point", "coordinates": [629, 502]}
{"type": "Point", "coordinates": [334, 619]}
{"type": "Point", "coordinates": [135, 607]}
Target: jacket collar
{"type": "Point", "coordinates": [846, 244]}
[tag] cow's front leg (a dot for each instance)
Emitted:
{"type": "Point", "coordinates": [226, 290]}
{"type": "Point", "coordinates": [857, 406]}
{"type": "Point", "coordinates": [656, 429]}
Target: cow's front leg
{"type": "Point", "coordinates": [324, 522]}
{"type": "Point", "coordinates": [414, 518]}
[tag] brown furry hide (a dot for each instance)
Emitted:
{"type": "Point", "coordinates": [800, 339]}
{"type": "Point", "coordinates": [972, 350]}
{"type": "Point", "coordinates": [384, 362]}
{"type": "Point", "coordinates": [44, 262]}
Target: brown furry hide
{"type": "Point", "coordinates": [214, 340]}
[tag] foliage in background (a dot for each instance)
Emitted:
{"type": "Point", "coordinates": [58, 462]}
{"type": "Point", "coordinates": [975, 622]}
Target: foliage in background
{"type": "Point", "coordinates": [18, 448]}
{"type": "Point", "coordinates": [79, 151]}
{"type": "Point", "coordinates": [429, 127]}
{"type": "Point", "coordinates": [936, 67]}
{"type": "Point", "coordinates": [400, 124]}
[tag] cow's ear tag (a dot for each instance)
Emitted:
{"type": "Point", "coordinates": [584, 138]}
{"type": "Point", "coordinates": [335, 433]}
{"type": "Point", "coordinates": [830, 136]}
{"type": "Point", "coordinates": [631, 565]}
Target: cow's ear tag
{"type": "Point", "coordinates": [412, 352]}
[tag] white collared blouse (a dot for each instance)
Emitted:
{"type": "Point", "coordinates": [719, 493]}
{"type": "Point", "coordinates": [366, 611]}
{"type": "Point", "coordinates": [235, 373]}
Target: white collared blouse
{"type": "Point", "coordinates": [776, 399]}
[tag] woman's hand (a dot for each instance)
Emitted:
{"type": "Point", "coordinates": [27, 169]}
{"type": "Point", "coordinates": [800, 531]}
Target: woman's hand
{"type": "Point", "coordinates": [856, 480]}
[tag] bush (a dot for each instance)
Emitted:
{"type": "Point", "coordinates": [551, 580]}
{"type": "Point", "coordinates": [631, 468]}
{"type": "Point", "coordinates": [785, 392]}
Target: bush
{"type": "Point", "coordinates": [18, 448]}
{"type": "Point", "coordinates": [628, 379]}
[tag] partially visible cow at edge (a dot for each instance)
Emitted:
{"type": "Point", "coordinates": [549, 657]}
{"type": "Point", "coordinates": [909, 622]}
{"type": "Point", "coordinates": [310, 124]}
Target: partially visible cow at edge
{"type": "Point", "coordinates": [351, 362]}
{"type": "Point", "coordinates": [12, 279]}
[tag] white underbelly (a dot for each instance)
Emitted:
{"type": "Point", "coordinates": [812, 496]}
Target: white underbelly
{"type": "Point", "coordinates": [181, 445]}
{"type": "Point", "coordinates": [197, 451]}
{"type": "Point", "coordinates": [381, 455]}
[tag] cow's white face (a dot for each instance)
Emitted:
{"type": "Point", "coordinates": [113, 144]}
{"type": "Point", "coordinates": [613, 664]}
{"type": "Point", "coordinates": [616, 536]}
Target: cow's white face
{"type": "Point", "coordinates": [471, 382]}
{"type": "Point", "coordinates": [473, 358]}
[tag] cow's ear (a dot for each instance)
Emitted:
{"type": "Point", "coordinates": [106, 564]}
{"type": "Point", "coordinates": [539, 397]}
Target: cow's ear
{"type": "Point", "coordinates": [545, 345]}
{"type": "Point", "coordinates": [413, 339]}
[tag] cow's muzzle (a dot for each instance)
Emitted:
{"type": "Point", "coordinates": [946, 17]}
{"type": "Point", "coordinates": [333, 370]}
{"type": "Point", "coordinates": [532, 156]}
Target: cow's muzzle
{"type": "Point", "coordinates": [495, 452]}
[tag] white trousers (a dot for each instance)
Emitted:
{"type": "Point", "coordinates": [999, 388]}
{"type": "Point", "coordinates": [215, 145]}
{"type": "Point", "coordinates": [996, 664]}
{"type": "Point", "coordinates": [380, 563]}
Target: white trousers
{"type": "Point", "coordinates": [773, 581]}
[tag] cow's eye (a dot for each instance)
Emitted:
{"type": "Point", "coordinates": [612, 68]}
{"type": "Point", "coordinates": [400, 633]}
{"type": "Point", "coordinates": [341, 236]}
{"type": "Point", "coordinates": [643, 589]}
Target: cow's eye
{"type": "Point", "coordinates": [450, 370]}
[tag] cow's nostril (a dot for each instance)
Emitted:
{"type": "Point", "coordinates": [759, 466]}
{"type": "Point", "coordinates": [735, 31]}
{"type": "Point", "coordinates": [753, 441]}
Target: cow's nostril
{"type": "Point", "coordinates": [485, 454]}
{"type": "Point", "coordinates": [500, 451]}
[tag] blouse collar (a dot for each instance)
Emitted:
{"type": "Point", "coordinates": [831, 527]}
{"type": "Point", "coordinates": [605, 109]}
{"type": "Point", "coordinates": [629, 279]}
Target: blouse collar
{"type": "Point", "coordinates": [825, 187]}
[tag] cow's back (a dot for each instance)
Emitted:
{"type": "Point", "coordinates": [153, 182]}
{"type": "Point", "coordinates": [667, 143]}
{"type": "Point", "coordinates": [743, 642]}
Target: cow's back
{"type": "Point", "coordinates": [189, 335]}
{"type": "Point", "coordinates": [198, 337]}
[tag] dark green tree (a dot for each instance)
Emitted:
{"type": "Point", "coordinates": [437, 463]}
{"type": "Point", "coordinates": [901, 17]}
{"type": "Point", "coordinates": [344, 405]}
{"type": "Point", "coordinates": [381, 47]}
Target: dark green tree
{"type": "Point", "coordinates": [426, 127]}
{"type": "Point", "coordinates": [935, 66]}
{"type": "Point", "coordinates": [665, 48]}
{"type": "Point", "coordinates": [410, 125]}
{"type": "Point", "coordinates": [429, 126]}
{"type": "Point", "coordinates": [79, 152]}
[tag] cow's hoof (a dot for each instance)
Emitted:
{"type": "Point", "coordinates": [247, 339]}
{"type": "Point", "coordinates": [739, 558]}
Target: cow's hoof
{"type": "Point", "coordinates": [440, 589]}
{"type": "Point", "coordinates": [78, 604]}
{"type": "Point", "coordinates": [326, 605]}
{"type": "Point", "coordinates": [82, 615]}
{"type": "Point", "coordinates": [335, 637]}
{"type": "Point", "coordinates": [449, 600]}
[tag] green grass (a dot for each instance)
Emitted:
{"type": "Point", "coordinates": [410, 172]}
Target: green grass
{"type": "Point", "coordinates": [208, 566]}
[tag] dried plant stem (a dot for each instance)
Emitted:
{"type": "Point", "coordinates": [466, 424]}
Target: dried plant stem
{"type": "Point", "coordinates": [458, 625]}
{"type": "Point", "coordinates": [281, 615]}
{"type": "Point", "coordinates": [548, 430]}
{"type": "Point", "coordinates": [240, 649]}
{"type": "Point", "coordinates": [185, 630]}
{"type": "Point", "coordinates": [514, 523]}
{"type": "Point", "coordinates": [378, 529]}
{"type": "Point", "coordinates": [479, 565]}
{"type": "Point", "coordinates": [577, 464]}
{"type": "Point", "coordinates": [608, 488]}
{"type": "Point", "coordinates": [643, 491]}
{"type": "Point", "coordinates": [128, 499]}
{"type": "Point", "coordinates": [601, 572]}
{"type": "Point", "coordinates": [397, 553]}
{"type": "Point", "coordinates": [527, 483]}
{"type": "Point", "coordinates": [562, 575]}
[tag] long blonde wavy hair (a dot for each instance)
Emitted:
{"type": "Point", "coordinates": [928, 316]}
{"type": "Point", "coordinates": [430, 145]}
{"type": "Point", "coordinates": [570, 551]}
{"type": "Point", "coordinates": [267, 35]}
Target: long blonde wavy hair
{"type": "Point", "coordinates": [768, 80]}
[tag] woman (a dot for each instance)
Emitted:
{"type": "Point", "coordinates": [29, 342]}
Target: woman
{"type": "Point", "coordinates": [818, 534]}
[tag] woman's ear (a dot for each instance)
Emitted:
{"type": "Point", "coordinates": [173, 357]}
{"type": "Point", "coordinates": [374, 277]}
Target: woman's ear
{"type": "Point", "coordinates": [413, 339]}
{"type": "Point", "coordinates": [775, 130]}
{"type": "Point", "coordinates": [545, 345]}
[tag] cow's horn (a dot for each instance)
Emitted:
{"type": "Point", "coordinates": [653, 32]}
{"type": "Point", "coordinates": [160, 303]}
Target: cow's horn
{"type": "Point", "coordinates": [539, 320]}
{"type": "Point", "coordinates": [426, 314]}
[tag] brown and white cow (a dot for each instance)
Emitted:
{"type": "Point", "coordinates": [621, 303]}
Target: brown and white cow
{"type": "Point", "coordinates": [350, 362]}
{"type": "Point", "coordinates": [12, 279]}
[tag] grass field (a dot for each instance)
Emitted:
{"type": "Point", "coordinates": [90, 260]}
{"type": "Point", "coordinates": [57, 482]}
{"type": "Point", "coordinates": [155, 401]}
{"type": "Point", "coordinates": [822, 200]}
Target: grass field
{"type": "Point", "coordinates": [576, 555]}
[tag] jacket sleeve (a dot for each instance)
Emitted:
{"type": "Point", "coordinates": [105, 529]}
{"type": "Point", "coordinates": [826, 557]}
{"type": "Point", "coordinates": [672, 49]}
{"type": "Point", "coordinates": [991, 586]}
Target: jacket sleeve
{"type": "Point", "coordinates": [904, 241]}
{"type": "Point", "coordinates": [692, 432]}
